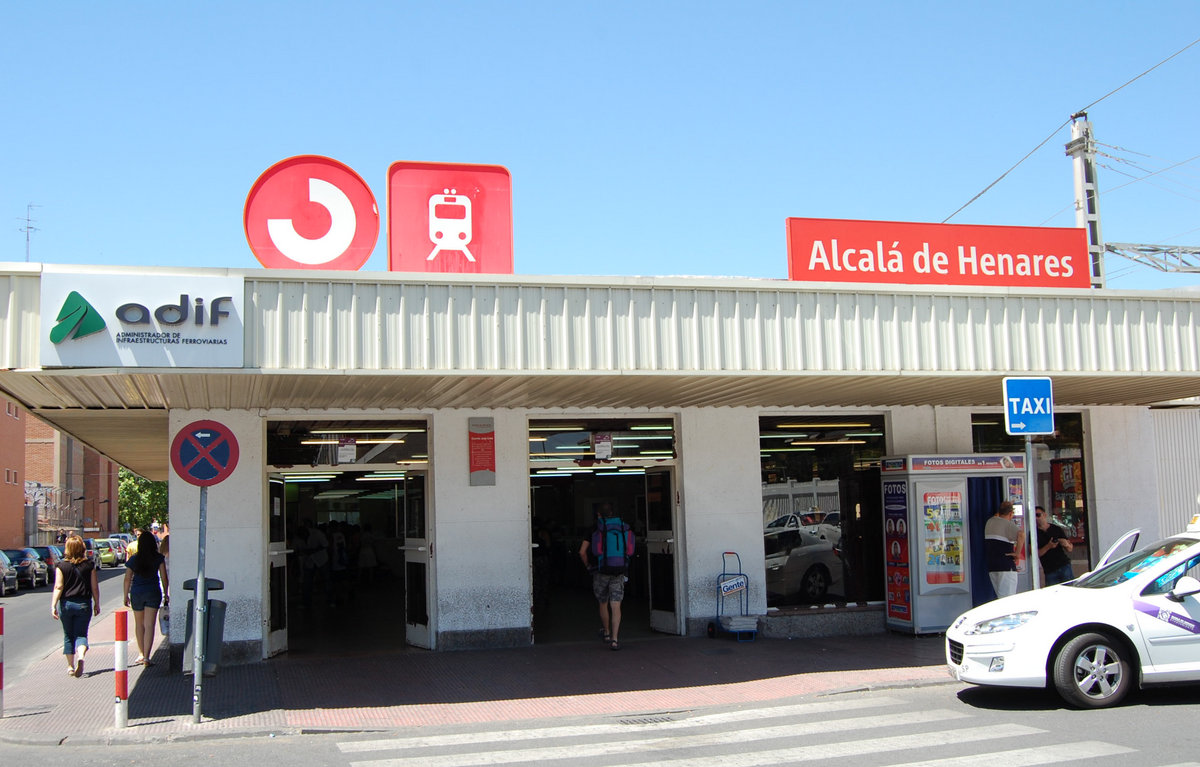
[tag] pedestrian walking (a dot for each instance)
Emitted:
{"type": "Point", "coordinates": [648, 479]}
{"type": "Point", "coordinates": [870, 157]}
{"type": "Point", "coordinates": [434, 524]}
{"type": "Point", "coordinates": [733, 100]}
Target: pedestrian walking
{"type": "Point", "coordinates": [75, 600]}
{"type": "Point", "coordinates": [610, 547]}
{"type": "Point", "coordinates": [144, 595]}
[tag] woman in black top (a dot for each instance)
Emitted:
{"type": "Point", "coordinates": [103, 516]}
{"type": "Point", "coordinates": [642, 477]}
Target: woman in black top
{"type": "Point", "coordinates": [76, 599]}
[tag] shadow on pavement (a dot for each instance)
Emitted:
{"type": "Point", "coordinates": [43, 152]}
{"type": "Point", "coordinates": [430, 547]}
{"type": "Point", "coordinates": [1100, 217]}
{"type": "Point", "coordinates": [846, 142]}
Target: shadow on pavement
{"type": "Point", "coordinates": [416, 677]}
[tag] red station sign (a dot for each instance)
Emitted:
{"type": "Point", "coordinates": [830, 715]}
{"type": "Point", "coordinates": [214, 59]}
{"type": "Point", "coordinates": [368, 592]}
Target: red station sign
{"type": "Point", "coordinates": [311, 212]}
{"type": "Point", "coordinates": [446, 217]}
{"type": "Point", "coordinates": [911, 253]}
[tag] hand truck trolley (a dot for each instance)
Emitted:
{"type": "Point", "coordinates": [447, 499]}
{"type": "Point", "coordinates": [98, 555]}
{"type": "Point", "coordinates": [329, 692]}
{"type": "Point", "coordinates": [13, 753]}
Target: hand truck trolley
{"type": "Point", "coordinates": [733, 585]}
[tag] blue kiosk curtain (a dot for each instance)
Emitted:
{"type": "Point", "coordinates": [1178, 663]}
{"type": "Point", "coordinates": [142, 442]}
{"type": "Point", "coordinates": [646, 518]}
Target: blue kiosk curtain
{"type": "Point", "coordinates": [984, 495]}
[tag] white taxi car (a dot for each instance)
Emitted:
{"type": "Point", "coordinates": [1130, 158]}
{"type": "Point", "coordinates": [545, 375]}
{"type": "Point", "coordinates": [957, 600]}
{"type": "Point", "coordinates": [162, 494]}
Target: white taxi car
{"type": "Point", "coordinates": [1134, 620]}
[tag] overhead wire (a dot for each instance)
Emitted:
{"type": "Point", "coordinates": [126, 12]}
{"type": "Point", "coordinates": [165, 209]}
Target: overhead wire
{"type": "Point", "coordinates": [1056, 130]}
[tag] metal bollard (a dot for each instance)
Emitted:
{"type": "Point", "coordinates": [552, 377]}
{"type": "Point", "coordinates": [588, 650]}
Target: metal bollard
{"type": "Point", "coordinates": [121, 668]}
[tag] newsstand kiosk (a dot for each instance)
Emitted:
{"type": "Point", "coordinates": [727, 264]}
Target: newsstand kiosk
{"type": "Point", "coordinates": [934, 510]}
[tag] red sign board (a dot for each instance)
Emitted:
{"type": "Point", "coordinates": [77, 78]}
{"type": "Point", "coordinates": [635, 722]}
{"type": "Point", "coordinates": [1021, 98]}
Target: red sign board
{"type": "Point", "coordinates": [446, 217]}
{"type": "Point", "coordinates": [910, 253]}
{"type": "Point", "coordinates": [482, 450]}
{"type": "Point", "coordinates": [204, 453]}
{"type": "Point", "coordinates": [311, 212]}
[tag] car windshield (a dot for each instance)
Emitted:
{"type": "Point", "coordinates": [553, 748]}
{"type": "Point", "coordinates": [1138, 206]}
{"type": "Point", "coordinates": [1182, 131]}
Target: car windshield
{"type": "Point", "coordinates": [781, 522]}
{"type": "Point", "coordinates": [1131, 565]}
{"type": "Point", "coordinates": [43, 551]}
{"type": "Point", "coordinates": [14, 554]}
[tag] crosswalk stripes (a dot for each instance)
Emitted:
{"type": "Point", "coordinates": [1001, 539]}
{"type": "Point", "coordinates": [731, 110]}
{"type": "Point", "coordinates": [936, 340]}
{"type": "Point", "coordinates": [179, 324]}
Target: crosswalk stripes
{"type": "Point", "coordinates": [755, 744]}
{"type": "Point", "coordinates": [1029, 757]}
{"type": "Point", "coordinates": [581, 731]}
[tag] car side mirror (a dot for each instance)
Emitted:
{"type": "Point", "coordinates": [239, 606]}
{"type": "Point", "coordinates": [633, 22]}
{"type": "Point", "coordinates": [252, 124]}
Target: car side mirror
{"type": "Point", "coordinates": [1184, 587]}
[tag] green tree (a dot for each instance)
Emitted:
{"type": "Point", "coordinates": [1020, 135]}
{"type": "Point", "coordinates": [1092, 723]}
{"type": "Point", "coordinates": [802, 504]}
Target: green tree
{"type": "Point", "coordinates": [142, 501]}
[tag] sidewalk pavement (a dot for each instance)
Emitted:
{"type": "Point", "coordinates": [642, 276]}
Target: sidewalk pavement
{"type": "Point", "coordinates": [410, 688]}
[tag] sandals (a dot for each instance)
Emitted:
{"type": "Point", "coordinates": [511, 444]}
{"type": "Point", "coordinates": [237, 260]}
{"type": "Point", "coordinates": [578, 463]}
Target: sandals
{"type": "Point", "coordinates": [79, 668]}
{"type": "Point", "coordinates": [604, 637]}
{"type": "Point", "coordinates": [614, 646]}
{"type": "Point", "coordinates": [71, 671]}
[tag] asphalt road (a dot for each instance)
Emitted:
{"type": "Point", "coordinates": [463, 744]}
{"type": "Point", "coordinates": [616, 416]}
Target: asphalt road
{"type": "Point", "coordinates": [947, 725]}
{"type": "Point", "coordinates": [30, 633]}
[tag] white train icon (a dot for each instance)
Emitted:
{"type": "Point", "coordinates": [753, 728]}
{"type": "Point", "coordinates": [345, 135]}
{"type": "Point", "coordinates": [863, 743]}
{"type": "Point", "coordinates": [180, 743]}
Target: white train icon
{"type": "Point", "coordinates": [450, 223]}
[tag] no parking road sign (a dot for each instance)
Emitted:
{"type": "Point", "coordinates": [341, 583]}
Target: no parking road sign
{"type": "Point", "coordinates": [1028, 406]}
{"type": "Point", "coordinates": [204, 453]}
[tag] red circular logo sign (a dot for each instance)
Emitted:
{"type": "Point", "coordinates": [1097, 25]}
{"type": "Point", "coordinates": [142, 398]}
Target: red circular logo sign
{"type": "Point", "coordinates": [311, 212]}
{"type": "Point", "coordinates": [204, 453]}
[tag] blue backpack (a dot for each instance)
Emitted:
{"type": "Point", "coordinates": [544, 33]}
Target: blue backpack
{"type": "Point", "coordinates": [612, 541]}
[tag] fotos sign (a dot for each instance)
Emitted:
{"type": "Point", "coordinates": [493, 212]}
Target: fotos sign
{"type": "Point", "coordinates": [92, 320]}
{"type": "Point", "coordinates": [910, 253]}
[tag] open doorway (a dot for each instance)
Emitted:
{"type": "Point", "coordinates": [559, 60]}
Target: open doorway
{"type": "Point", "coordinates": [349, 543]}
{"type": "Point", "coordinates": [564, 496]}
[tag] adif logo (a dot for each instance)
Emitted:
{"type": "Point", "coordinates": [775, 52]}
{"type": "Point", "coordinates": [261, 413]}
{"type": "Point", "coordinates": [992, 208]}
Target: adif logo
{"type": "Point", "coordinates": [77, 318]}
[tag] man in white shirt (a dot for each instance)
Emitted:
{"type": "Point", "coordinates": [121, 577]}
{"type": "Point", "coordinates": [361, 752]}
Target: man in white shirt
{"type": "Point", "coordinates": [1004, 545]}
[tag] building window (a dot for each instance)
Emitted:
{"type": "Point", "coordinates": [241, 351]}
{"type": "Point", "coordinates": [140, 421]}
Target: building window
{"type": "Point", "coordinates": [1061, 488]}
{"type": "Point", "coordinates": [822, 508]}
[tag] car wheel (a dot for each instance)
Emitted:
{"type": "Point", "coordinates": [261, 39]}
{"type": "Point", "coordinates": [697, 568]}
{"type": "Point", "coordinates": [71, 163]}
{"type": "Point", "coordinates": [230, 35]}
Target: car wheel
{"type": "Point", "coordinates": [815, 583]}
{"type": "Point", "coordinates": [1091, 671]}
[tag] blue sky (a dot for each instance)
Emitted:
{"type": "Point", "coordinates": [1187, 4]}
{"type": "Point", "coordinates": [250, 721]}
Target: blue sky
{"type": "Point", "coordinates": [643, 139]}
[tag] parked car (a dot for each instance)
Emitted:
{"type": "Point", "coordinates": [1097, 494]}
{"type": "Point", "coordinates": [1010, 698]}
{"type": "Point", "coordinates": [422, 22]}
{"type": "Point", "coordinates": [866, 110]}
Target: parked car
{"type": "Point", "coordinates": [51, 555]}
{"type": "Point", "coordinates": [120, 549]}
{"type": "Point", "coordinates": [801, 562]}
{"type": "Point", "coordinates": [30, 567]}
{"type": "Point", "coordinates": [8, 576]}
{"type": "Point", "coordinates": [89, 549]}
{"type": "Point", "coordinates": [106, 554]}
{"type": "Point", "coordinates": [1133, 620]}
{"type": "Point", "coordinates": [127, 537]}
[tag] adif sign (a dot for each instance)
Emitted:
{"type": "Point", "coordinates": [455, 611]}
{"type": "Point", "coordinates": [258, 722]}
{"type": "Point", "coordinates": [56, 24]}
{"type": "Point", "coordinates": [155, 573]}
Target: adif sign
{"type": "Point", "coordinates": [910, 253]}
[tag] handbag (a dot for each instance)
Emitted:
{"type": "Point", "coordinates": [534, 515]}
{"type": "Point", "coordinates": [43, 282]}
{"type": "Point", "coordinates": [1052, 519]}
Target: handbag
{"type": "Point", "coordinates": [164, 622]}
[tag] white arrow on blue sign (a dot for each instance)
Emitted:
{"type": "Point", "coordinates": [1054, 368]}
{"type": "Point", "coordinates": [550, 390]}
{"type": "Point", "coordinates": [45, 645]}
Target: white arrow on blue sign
{"type": "Point", "coordinates": [1028, 406]}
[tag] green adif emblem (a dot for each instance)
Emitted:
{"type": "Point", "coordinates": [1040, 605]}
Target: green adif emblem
{"type": "Point", "coordinates": [76, 317]}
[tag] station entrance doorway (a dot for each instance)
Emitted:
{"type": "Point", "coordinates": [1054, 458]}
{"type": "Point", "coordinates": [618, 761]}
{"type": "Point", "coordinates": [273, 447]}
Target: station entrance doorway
{"type": "Point", "coordinates": [349, 539]}
{"type": "Point", "coordinates": [636, 478]}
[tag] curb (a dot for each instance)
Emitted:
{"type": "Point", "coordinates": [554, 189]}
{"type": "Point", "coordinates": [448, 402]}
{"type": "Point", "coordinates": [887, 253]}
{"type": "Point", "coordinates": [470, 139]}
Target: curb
{"type": "Point", "coordinates": [114, 738]}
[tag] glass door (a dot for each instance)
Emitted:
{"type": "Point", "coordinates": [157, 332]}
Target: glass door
{"type": "Point", "coordinates": [660, 550]}
{"type": "Point", "coordinates": [277, 555]}
{"type": "Point", "coordinates": [418, 555]}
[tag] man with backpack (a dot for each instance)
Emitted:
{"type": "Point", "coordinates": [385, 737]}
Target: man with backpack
{"type": "Point", "coordinates": [610, 548]}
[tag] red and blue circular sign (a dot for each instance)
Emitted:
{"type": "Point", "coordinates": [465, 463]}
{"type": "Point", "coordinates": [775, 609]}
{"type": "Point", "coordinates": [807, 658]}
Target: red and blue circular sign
{"type": "Point", "coordinates": [204, 453]}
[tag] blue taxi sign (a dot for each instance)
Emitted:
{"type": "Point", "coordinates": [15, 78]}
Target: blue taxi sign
{"type": "Point", "coordinates": [1028, 405]}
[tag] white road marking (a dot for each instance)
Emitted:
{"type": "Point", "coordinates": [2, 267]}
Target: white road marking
{"type": "Point", "coordinates": [1029, 757]}
{"type": "Point", "coordinates": [745, 759]}
{"type": "Point", "coordinates": [509, 736]}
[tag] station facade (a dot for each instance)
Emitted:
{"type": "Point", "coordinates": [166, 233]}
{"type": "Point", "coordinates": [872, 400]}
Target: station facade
{"type": "Point", "coordinates": [467, 427]}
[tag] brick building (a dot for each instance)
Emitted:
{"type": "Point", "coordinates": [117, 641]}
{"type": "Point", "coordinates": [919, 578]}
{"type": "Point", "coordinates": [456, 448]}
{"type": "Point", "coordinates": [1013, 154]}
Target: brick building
{"type": "Point", "coordinates": [12, 492]}
{"type": "Point", "coordinates": [72, 486]}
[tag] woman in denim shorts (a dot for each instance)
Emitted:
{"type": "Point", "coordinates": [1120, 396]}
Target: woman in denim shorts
{"type": "Point", "coordinates": [143, 594]}
{"type": "Point", "coordinates": [76, 599]}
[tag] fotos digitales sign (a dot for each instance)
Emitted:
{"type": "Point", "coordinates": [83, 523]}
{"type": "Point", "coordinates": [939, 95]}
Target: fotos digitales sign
{"type": "Point", "coordinates": [140, 320]}
{"type": "Point", "coordinates": [910, 253]}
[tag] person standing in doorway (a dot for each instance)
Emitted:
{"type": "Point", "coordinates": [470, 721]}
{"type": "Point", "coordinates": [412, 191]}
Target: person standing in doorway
{"type": "Point", "coordinates": [145, 580]}
{"type": "Point", "coordinates": [609, 549]}
{"type": "Point", "coordinates": [1053, 547]}
{"type": "Point", "coordinates": [76, 599]}
{"type": "Point", "coordinates": [1005, 545]}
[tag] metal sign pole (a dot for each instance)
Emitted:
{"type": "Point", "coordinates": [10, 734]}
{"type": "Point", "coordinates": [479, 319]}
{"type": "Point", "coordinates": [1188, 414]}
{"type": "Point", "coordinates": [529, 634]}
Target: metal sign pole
{"type": "Point", "coordinates": [199, 627]}
{"type": "Point", "coordinates": [1031, 516]}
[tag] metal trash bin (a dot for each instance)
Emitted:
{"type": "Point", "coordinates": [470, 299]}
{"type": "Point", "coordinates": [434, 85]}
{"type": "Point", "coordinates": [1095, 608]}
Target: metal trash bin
{"type": "Point", "coordinates": [215, 628]}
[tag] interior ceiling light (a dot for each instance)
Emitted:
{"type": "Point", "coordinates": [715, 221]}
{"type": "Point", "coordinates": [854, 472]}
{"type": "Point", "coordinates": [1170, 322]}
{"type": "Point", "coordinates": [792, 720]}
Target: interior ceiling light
{"type": "Point", "coordinates": [367, 431]}
{"type": "Point", "coordinates": [573, 427]}
{"type": "Point", "coordinates": [784, 436]}
{"type": "Point", "coordinates": [318, 442]}
{"type": "Point", "coordinates": [985, 423]}
{"type": "Point", "coordinates": [538, 439]}
{"type": "Point", "coordinates": [640, 437]}
{"type": "Point", "coordinates": [788, 450]}
{"type": "Point", "coordinates": [658, 452]}
{"type": "Point", "coordinates": [830, 442]}
{"type": "Point", "coordinates": [823, 425]}
{"type": "Point", "coordinates": [867, 434]}
{"type": "Point", "coordinates": [379, 442]}
{"type": "Point", "coordinates": [378, 479]}
{"type": "Point", "coordinates": [668, 427]}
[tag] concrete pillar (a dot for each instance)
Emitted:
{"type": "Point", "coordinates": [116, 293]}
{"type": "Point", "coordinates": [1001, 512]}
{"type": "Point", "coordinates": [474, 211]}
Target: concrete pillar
{"type": "Point", "coordinates": [481, 536]}
{"type": "Point", "coordinates": [1122, 474]}
{"type": "Point", "coordinates": [721, 487]}
{"type": "Point", "coordinates": [237, 536]}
